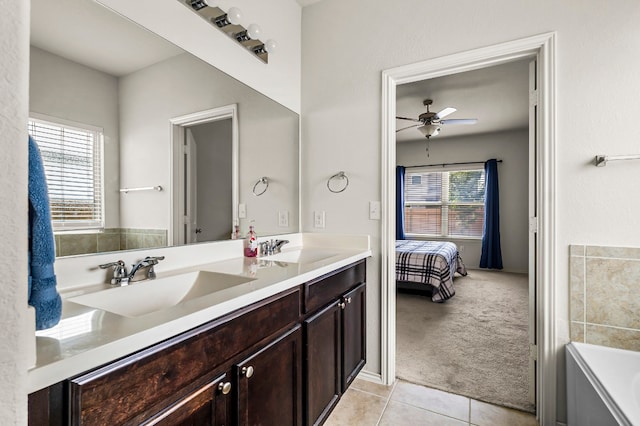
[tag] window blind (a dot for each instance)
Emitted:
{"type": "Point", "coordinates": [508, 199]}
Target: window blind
{"type": "Point", "coordinates": [72, 159]}
{"type": "Point", "coordinates": [444, 203]}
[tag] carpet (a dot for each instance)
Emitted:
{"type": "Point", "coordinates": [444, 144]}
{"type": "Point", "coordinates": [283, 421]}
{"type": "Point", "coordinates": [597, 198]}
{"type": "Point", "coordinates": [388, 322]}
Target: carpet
{"type": "Point", "coordinates": [475, 344]}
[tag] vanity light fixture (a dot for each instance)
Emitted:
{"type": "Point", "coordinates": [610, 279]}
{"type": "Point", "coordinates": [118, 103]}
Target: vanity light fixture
{"type": "Point", "coordinates": [232, 17]}
{"type": "Point", "coordinates": [198, 4]}
{"type": "Point", "coordinates": [229, 23]}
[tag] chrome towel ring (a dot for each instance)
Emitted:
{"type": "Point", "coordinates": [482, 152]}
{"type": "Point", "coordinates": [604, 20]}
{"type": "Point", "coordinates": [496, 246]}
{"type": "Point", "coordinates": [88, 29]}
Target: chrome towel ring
{"type": "Point", "coordinates": [264, 181]}
{"type": "Point", "coordinates": [341, 176]}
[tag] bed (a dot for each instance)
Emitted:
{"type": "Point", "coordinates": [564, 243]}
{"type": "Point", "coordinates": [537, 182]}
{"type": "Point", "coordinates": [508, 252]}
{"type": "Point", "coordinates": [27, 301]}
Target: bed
{"type": "Point", "coordinates": [428, 265]}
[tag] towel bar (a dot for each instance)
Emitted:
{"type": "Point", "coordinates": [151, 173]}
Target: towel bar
{"type": "Point", "coordinates": [145, 188]}
{"type": "Point", "coordinates": [602, 160]}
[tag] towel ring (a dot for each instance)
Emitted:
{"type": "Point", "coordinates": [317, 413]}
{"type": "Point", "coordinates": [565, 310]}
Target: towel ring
{"type": "Point", "coordinates": [263, 180]}
{"type": "Point", "coordinates": [339, 175]}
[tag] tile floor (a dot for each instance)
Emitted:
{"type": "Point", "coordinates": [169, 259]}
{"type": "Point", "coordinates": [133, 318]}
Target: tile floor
{"type": "Point", "coordinates": [371, 404]}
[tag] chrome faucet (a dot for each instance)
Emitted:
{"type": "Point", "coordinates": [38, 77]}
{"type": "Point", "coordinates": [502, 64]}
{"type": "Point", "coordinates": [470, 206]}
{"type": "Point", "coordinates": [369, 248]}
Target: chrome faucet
{"type": "Point", "coordinates": [121, 277]}
{"type": "Point", "coordinates": [145, 264]}
{"type": "Point", "coordinates": [270, 247]}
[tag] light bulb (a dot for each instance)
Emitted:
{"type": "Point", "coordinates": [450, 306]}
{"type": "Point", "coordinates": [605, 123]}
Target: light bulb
{"type": "Point", "coordinates": [254, 31]}
{"type": "Point", "coordinates": [234, 15]}
{"type": "Point", "coordinates": [270, 46]}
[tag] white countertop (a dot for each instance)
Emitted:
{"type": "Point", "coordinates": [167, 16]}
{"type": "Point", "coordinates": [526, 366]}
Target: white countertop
{"type": "Point", "coordinates": [87, 337]}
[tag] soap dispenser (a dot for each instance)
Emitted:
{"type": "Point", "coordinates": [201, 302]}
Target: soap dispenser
{"type": "Point", "coordinates": [235, 233]}
{"type": "Point", "coordinates": [251, 243]}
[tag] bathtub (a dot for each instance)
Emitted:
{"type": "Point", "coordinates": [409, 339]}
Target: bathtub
{"type": "Point", "coordinates": [603, 386]}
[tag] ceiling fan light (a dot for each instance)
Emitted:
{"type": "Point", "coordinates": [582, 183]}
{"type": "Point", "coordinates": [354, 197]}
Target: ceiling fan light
{"type": "Point", "coordinates": [429, 130]}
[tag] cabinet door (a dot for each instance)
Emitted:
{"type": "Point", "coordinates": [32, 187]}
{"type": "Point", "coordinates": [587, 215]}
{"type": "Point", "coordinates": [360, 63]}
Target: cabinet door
{"type": "Point", "coordinates": [322, 362]}
{"type": "Point", "coordinates": [207, 406]}
{"type": "Point", "coordinates": [270, 383]}
{"type": "Point", "coordinates": [353, 334]}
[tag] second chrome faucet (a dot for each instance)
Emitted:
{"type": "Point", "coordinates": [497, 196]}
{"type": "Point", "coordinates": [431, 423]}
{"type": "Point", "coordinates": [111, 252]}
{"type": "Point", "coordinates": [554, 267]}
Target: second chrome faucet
{"type": "Point", "coordinates": [121, 277]}
{"type": "Point", "coordinates": [271, 247]}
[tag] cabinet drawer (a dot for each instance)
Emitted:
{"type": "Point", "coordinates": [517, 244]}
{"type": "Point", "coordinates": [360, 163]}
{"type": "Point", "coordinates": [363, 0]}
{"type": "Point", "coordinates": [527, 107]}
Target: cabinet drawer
{"type": "Point", "coordinates": [122, 390]}
{"type": "Point", "coordinates": [323, 290]}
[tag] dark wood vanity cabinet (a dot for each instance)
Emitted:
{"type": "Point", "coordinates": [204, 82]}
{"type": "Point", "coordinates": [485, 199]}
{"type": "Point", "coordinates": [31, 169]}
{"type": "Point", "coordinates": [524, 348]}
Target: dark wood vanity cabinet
{"type": "Point", "coordinates": [283, 361]}
{"type": "Point", "coordinates": [270, 383]}
{"type": "Point", "coordinates": [209, 405]}
{"type": "Point", "coordinates": [335, 352]}
{"type": "Point", "coordinates": [353, 334]}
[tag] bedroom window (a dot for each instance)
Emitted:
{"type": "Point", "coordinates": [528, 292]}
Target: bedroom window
{"type": "Point", "coordinates": [444, 203]}
{"type": "Point", "coordinates": [72, 159]}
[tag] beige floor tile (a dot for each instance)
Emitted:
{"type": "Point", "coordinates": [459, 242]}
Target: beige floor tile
{"type": "Point", "coordinates": [483, 414]}
{"type": "Point", "coordinates": [432, 399]}
{"type": "Point", "coordinates": [357, 408]}
{"type": "Point", "coordinates": [398, 413]}
{"type": "Point", "coordinates": [374, 388]}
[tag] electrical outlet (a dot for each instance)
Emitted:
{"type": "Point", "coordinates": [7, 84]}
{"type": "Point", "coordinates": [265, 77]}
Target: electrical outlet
{"type": "Point", "coordinates": [242, 211]}
{"type": "Point", "coordinates": [461, 248]}
{"type": "Point", "coordinates": [283, 218]}
{"type": "Point", "coordinates": [318, 219]}
{"type": "Point", "coordinates": [374, 210]}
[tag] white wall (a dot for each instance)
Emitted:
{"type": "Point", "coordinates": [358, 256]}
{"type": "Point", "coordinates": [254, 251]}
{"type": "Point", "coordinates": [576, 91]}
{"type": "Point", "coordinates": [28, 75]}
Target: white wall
{"type": "Point", "coordinates": [14, 87]}
{"type": "Point", "coordinates": [268, 141]}
{"type": "Point", "coordinates": [511, 147]}
{"type": "Point", "coordinates": [65, 89]}
{"type": "Point", "coordinates": [279, 20]}
{"type": "Point", "coordinates": [347, 45]}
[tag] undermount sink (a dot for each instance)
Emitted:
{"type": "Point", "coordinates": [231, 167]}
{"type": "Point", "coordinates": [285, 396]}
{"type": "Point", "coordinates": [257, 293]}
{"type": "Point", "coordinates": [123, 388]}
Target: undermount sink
{"type": "Point", "coordinates": [302, 256]}
{"type": "Point", "coordinates": [144, 297]}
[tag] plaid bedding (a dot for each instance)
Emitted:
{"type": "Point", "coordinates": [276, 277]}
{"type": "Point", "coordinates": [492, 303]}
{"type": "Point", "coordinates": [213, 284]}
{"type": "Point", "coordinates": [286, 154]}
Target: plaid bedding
{"type": "Point", "coordinates": [429, 262]}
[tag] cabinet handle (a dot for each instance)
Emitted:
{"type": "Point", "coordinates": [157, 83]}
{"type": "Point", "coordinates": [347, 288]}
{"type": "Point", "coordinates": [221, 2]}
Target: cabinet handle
{"type": "Point", "coordinates": [247, 371]}
{"type": "Point", "coordinates": [341, 305]}
{"type": "Point", "coordinates": [225, 388]}
{"type": "Point", "coordinates": [348, 300]}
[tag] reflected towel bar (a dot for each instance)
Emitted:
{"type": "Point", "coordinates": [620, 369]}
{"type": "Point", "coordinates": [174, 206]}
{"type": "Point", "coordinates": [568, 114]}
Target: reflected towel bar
{"type": "Point", "coordinates": [602, 160]}
{"type": "Point", "coordinates": [145, 188]}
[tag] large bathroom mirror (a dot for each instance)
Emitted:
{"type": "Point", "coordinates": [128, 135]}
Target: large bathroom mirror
{"type": "Point", "coordinates": [182, 148]}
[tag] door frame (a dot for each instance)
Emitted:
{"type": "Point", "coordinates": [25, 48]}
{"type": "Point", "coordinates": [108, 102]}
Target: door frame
{"type": "Point", "coordinates": [177, 126]}
{"type": "Point", "coordinates": [543, 48]}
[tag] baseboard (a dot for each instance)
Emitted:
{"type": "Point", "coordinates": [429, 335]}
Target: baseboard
{"type": "Point", "coordinates": [560, 424]}
{"type": "Point", "coordinates": [370, 377]}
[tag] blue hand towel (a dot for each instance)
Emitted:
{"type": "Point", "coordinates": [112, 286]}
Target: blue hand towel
{"type": "Point", "coordinates": [43, 295]}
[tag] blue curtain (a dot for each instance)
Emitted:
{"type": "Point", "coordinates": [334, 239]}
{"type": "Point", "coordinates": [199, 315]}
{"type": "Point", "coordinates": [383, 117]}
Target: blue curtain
{"type": "Point", "coordinates": [491, 252]}
{"type": "Point", "coordinates": [400, 203]}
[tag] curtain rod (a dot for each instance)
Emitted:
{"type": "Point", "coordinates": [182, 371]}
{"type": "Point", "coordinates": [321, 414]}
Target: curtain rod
{"type": "Point", "coordinates": [450, 164]}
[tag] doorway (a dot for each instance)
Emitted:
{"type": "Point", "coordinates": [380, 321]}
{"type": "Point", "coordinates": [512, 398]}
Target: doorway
{"type": "Point", "coordinates": [482, 334]}
{"type": "Point", "coordinates": [204, 190]}
{"type": "Point", "coordinates": [540, 48]}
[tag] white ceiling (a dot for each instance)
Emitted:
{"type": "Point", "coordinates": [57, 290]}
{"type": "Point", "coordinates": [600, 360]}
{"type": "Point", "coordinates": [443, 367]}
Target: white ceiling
{"type": "Point", "coordinates": [497, 96]}
{"type": "Point", "coordinates": [92, 35]}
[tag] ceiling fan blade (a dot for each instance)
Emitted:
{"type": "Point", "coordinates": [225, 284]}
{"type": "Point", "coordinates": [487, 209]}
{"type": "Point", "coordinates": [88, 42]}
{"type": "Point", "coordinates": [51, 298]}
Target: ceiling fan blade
{"type": "Point", "coordinates": [445, 112]}
{"type": "Point", "coordinates": [460, 121]}
{"type": "Point", "coordinates": [410, 119]}
{"type": "Point", "coordinates": [410, 127]}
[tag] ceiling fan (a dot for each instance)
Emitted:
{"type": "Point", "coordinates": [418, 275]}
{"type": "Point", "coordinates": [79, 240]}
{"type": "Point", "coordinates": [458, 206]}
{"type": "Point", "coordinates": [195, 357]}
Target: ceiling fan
{"type": "Point", "coordinates": [430, 122]}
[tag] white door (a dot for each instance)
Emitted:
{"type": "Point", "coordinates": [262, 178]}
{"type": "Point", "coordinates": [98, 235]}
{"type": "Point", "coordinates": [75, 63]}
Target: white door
{"type": "Point", "coordinates": [533, 226]}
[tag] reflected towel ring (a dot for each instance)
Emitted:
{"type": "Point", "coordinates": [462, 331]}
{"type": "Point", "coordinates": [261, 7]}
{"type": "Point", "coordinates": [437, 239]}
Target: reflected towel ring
{"type": "Point", "coordinates": [339, 175]}
{"type": "Point", "coordinates": [263, 180]}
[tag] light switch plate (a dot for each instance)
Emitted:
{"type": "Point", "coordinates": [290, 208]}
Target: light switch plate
{"type": "Point", "coordinates": [374, 210]}
{"type": "Point", "coordinates": [318, 219]}
{"type": "Point", "coordinates": [283, 218]}
{"type": "Point", "coordinates": [242, 211]}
